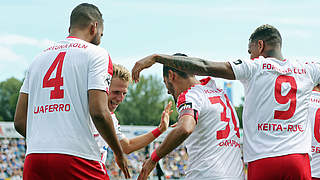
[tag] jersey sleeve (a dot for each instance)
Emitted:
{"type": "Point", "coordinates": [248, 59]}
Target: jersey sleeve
{"type": "Point", "coordinates": [100, 71]}
{"type": "Point", "coordinates": [25, 85]}
{"type": "Point", "coordinates": [243, 69]}
{"type": "Point", "coordinates": [189, 103]}
{"type": "Point", "coordinates": [314, 69]}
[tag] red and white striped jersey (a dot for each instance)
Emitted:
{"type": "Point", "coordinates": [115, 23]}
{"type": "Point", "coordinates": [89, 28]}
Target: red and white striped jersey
{"type": "Point", "coordinates": [57, 84]}
{"type": "Point", "coordinates": [214, 145]}
{"type": "Point", "coordinates": [314, 117]}
{"type": "Point", "coordinates": [276, 106]}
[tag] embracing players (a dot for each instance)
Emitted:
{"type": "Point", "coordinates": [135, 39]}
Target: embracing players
{"type": "Point", "coordinates": [277, 91]}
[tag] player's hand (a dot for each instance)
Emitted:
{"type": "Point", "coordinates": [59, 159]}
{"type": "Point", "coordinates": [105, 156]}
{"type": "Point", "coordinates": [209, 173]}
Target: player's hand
{"type": "Point", "coordinates": [123, 165]}
{"type": "Point", "coordinates": [140, 65]}
{"type": "Point", "coordinates": [147, 167]}
{"type": "Point", "coordinates": [165, 117]}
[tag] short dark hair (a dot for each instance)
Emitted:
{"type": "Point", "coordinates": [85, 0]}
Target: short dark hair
{"type": "Point", "coordinates": [180, 73]}
{"type": "Point", "coordinates": [84, 14]}
{"type": "Point", "coordinates": [268, 34]}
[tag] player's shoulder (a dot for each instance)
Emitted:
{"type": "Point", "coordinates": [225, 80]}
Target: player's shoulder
{"type": "Point", "coordinates": [255, 62]}
{"type": "Point", "coordinates": [191, 92]}
{"type": "Point", "coordinates": [94, 49]}
{"type": "Point", "coordinates": [197, 91]}
{"type": "Point", "coordinates": [89, 48]}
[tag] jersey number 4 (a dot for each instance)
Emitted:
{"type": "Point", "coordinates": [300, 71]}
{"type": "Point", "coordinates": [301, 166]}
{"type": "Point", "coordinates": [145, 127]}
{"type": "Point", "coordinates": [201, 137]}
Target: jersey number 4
{"type": "Point", "coordinates": [223, 134]}
{"type": "Point", "coordinates": [56, 82]}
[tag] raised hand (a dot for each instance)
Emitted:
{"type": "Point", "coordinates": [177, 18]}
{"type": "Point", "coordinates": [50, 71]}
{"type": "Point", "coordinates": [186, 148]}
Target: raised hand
{"type": "Point", "coordinates": [140, 65]}
{"type": "Point", "coordinates": [165, 117]}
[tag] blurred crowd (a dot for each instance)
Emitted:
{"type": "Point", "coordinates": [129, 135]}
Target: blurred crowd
{"type": "Point", "coordinates": [12, 154]}
{"type": "Point", "coordinates": [173, 166]}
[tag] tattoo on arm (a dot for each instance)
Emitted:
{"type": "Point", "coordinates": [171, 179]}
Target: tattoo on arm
{"type": "Point", "coordinates": [197, 66]}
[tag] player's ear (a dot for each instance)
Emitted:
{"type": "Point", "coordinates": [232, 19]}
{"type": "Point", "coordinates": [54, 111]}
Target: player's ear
{"type": "Point", "coordinates": [171, 75]}
{"type": "Point", "coordinates": [93, 28]}
{"type": "Point", "coordinates": [261, 46]}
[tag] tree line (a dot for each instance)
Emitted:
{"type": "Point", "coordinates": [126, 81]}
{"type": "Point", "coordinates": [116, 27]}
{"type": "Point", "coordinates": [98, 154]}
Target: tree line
{"type": "Point", "coordinates": [143, 104]}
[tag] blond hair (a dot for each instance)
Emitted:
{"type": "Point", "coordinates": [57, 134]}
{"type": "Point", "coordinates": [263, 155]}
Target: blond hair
{"type": "Point", "coordinates": [121, 72]}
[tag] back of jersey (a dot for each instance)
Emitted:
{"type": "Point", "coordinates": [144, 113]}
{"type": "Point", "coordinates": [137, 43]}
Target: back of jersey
{"type": "Point", "coordinates": [214, 145]}
{"type": "Point", "coordinates": [57, 85]}
{"type": "Point", "coordinates": [276, 106]}
{"type": "Point", "coordinates": [314, 117]}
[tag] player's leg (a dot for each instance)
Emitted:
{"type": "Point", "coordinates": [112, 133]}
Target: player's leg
{"type": "Point", "coordinates": [293, 166]}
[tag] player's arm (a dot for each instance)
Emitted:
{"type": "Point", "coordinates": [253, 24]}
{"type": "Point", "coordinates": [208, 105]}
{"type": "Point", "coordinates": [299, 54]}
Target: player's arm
{"type": "Point", "coordinates": [20, 116]}
{"type": "Point", "coordinates": [102, 119]}
{"type": "Point", "coordinates": [191, 65]}
{"type": "Point", "coordinates": [185, 127]}
{"type": "Point", "coordinates": [130, 145]}
{"type": "Point", "coordinates": [183, 130]}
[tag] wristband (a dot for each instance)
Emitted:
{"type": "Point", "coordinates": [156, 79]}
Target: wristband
{"type": "Point", "coordinates": [156, 132]}
{"type": "Point", "coordinates": [154, 156]}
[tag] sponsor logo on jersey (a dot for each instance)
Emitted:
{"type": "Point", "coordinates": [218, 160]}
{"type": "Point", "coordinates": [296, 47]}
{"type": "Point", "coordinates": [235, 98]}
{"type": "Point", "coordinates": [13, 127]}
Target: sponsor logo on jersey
{"type": "Point", "coordinates": [107, 81]}
{"type": "Point", "coordinates": [237, 62]}
{"type": "Point", "coordinates": [185, 106]}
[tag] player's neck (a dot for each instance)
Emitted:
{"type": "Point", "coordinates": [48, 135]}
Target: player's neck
{"type": "Point", "coordinates": [80, 35]}
{"type": "Point", "coordinates": [273, 53]}
{"type": "Point", "coordinates": [188, 83]}
{"type": "Point", "coordinates": [317, 88]}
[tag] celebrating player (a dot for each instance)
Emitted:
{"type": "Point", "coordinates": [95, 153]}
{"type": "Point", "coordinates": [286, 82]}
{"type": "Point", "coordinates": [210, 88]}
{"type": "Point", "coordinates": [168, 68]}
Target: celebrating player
{"type": "Point", "coordinates": [118, 90]}
{"type": "Point", "coordinates": [208, 123]}
{"type": "Point", "coordinates": [65, 84]}
{"type": "Point", "coordinates": [277, 91]}
{"type": "Point", "coordinates": [314, 117]}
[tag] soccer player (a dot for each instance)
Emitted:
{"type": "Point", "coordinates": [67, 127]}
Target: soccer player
{"type": "Point", "coordinates": [118, 90]}
{"type": "Point", "coordinates": [277, 92]}
{"type": "Point", "coordinates": [314, 117]}
{"type": "Point", "coordinates": [207, 123]}
{"type": "Point", "coordinates": [66, 86]}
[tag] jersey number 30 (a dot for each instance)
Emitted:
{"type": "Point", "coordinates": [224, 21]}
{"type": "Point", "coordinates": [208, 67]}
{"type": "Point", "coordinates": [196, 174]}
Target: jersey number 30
{"type": "Point", "coordinates": [223, 134]}
{"type": "Point", "coordinates": [56, 82]}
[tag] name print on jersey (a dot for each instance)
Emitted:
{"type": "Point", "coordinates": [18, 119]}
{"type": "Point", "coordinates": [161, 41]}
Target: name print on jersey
{"type": "Point", "coordinates": [268, 66]}
{"type": "Point", "coordinates": [229, 143]}
{"type": "Point", "coordinates": [315, 149]}
{"type": "Point", "coordinates": [51, 108]}
{"type": "Point", "coordinates": [280, 127]}
{"type": "Point", "coordinates": [70, 45]}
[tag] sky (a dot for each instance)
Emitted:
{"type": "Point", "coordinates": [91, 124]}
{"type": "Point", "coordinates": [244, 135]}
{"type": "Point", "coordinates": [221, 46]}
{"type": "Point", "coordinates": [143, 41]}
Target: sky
{"type": "Point", "coordinates": [213, 29]}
